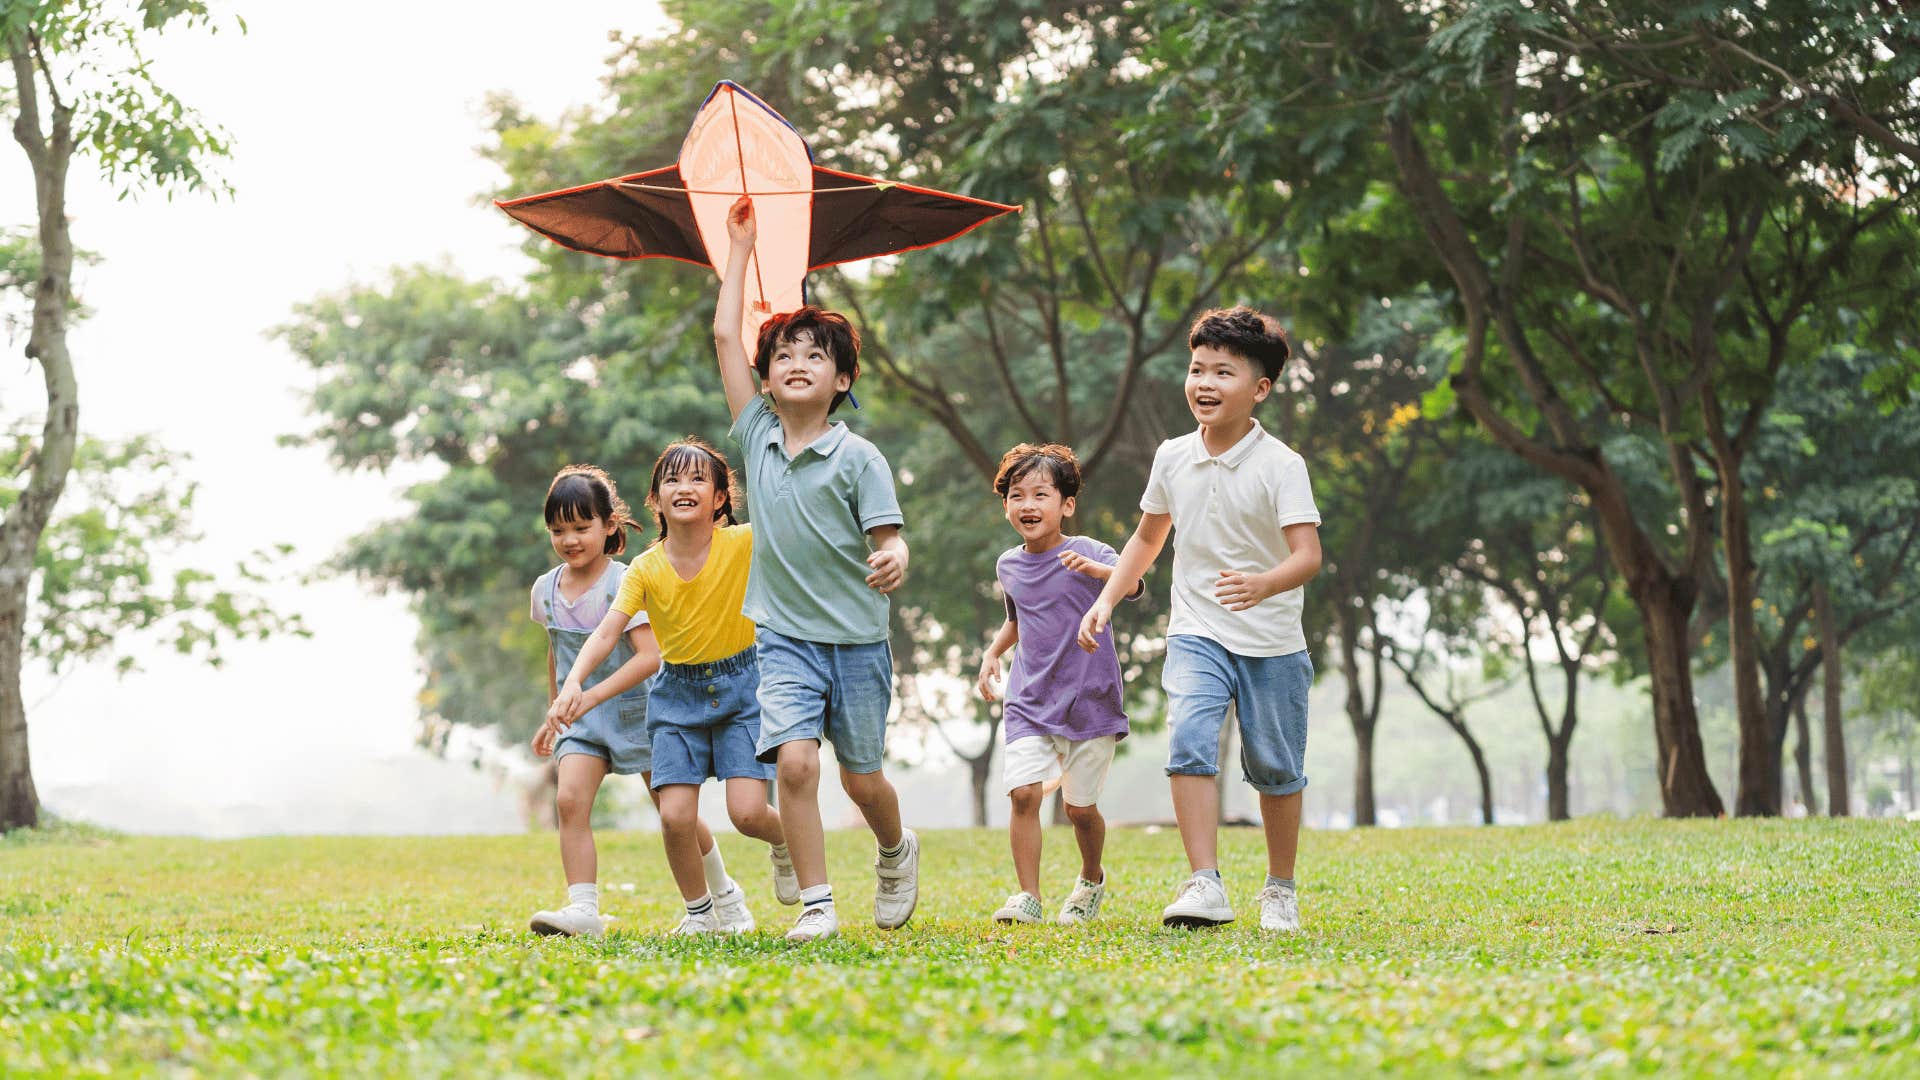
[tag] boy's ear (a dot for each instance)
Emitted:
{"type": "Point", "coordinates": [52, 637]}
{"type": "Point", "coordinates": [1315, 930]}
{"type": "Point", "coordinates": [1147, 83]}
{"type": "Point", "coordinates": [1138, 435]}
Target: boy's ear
{"type": "Point", "coordinates": [1066, 506]}
{"type": "Point", "coordinates": [1261, 389]}
{"type": "Point", "coordinates": [842, 381]}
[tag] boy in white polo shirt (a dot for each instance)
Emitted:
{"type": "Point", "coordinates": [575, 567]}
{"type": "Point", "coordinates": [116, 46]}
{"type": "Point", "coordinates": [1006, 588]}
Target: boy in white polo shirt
{"type": "Point", "coordinates": [1246, 540]}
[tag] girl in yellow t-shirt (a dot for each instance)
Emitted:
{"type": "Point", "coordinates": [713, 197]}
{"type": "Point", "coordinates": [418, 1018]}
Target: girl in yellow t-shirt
{"type": "Point", "coordinates": [703, 710]}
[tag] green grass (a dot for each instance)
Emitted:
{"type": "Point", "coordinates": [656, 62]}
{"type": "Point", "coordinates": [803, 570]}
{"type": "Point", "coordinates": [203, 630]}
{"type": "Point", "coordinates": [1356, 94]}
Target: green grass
{"type": "Point", "coordinates": [1597, 946]}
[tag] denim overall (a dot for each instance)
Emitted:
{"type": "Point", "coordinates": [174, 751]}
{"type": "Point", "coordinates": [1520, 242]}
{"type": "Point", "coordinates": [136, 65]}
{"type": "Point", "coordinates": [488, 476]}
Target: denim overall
{"type": "Point", "coordinates": [616, 730]}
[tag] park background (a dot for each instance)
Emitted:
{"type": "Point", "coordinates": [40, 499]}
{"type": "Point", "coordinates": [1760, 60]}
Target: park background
{"type": "Point", "coordinates": [1606, 321]}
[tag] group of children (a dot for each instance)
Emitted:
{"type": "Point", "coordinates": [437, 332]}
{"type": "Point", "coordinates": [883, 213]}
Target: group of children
{"type": "Point", "coordinates": [731, 651]}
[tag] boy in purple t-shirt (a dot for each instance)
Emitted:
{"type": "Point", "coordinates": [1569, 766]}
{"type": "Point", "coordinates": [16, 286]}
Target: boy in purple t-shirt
{"type": "Point", "coordinates": [1064, 709]}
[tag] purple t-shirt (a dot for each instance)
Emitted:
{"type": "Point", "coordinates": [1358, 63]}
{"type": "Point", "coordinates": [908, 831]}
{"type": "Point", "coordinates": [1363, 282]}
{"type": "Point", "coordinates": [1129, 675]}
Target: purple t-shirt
{"type": "Point", "coordinates": [1056, 687]}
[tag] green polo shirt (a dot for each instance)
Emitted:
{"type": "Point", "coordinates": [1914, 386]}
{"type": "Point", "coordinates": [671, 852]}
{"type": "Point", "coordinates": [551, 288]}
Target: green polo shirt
{"type": "Point", "coordinates": [810, 515]}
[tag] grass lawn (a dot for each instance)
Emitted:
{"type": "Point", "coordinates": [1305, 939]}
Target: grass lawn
{"type": "Point", "coordinates": [1749, 947]}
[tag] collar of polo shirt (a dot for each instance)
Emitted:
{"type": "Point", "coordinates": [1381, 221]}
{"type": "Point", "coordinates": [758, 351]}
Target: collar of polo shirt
{"type": "Point", "coordinates": [825, 445]}
{"type": "Point", "coordinates": [1235, 454]}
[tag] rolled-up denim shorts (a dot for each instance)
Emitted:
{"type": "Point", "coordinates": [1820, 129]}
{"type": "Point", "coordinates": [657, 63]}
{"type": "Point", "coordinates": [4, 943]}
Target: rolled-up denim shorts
{"type": "Point", "coordinates": [1202, 678]}
{"type": "Point", "coordinates": [839, 694]}
{"type": "Point", "coordinates": [704, 721]}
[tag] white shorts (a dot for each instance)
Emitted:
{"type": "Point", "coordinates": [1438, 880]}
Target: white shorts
{"type": "Point", "coordinates": [1082, 763]}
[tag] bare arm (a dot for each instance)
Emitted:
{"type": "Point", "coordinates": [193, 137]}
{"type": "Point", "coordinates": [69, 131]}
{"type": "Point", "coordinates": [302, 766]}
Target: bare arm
{"type": "Point", "coordinates": [1238, 591]}
{"type": "Point", "coordinates": [638, 669]}
{"type": "Point", "coordinates": [1004, 639]}
{"type": "Point", "coordinates": [1142, 548]}
{"type": "Point", "coordinates": [889, 558]}
{"type": "Point", "coordinates": [553, 682]}
{"type": "Point", "coordinates": [1094, 568]}
{"type": "Point", "coordinates": [736, 370]}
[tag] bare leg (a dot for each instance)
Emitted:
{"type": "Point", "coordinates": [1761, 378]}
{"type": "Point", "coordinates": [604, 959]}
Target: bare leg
{"type": "Point", "coordinates": [747, 806]}
{"type": "Point", "coordinates": [1280, 814]}
{"type": "Point", "coordinates": [1196, 806]}
{"type": "Point", "coordinates": [878, 803]}
{"type": "Point", "coordinates": [798, 768]}
{"type": "Point", "coordinates": [1023, 828]}
{"type": "Point", "coordinates": [580, 776]}
{"type": "Point", "coordinates": [1090, 832]}
{"type": "Point", "coordinates": [679, 824]}
{"type": "Point", "coordinates": [700, 827]}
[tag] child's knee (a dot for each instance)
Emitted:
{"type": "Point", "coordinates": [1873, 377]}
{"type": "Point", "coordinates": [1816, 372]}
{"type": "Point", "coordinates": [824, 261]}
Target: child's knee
{"type": "Point", "coordinates": [799, 766]}
{"type": "Point", "coordinates": [573, 802]}
{"type": "Point", "coordinates": [678, 816]}
{"type": "Point", "coordinates": [745, 811]}
{"type": "Point", "coordinates": [1026, 800]}
{"type": "Point", "coordinates": [865, 789]}
{"type": "Point", "coordinates": [1084, 817]}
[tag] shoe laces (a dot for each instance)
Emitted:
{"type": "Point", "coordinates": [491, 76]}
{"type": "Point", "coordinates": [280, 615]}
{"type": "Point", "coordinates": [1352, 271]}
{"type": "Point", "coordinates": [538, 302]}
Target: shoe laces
{"type": "Point", "coordinates": [1191, 887]}
{"type": "Point", "coordinates": [816, 913]}
{"type": "Point", "coordinates": [1080, 901]}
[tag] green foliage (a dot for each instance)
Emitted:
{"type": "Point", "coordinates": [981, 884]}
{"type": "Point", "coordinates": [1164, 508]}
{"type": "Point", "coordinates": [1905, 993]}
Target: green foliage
{"type": "Point", "coordinates": [103, 574]}
{"type": "Point", "coordinates": [1584, 947]}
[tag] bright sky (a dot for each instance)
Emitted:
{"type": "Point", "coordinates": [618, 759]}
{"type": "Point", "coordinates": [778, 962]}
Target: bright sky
{"type": "Point", "coordinates": [355, 125]}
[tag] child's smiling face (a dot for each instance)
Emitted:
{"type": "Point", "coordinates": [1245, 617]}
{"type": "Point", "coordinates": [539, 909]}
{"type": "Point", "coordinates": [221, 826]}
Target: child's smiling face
{"type": "Point", "coordinates": [688, 498]}
{"type": "Point", "coordinates": [579, 543]}
{"type": "Point", "coordinates": [802, 374]}
{"type": "Point", "coordinates": [1223, 387]}
{"type": "Point", "coordinates": [1035, 508]}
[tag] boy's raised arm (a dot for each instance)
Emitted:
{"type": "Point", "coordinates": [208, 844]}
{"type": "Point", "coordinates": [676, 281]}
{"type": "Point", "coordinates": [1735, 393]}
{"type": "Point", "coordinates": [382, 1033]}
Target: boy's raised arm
{"type": "Point", "coordinates": [736, 367]}
{"type": "Point", "coordinates": [1142, 548]}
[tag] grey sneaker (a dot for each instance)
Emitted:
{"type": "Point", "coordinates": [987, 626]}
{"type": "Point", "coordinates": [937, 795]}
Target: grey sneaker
{"type": "Point", "coordinates": [1083, 905]}
{"type": "Point", "coordinates": [730, 908]}
{"type": "Point", "coordinates": [897, 891]}
{"type": "Point", "coordinates": [816, 923]}
{"type": "Point", "coordinates": [786, 883]}
{"type": "Point", "coordinates": [1279, 909]}
{"type": "Point", "coordinates": [569, 921]}
{"type": "Point", "coordinates": [1021, 907]}
{"type": "Point", "coordinates": [1201, 901]}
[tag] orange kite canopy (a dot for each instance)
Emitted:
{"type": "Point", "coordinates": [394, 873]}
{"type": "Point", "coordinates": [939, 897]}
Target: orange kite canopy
{"type": "Point", "coordinates": [809, 216]}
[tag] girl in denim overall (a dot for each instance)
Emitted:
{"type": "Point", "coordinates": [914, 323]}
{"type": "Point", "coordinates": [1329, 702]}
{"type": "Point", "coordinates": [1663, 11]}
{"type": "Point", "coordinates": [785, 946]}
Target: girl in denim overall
{"type": "Point", "coordinates": [703, 709]}
{"type": "Point", "coordinates": [587, 522]}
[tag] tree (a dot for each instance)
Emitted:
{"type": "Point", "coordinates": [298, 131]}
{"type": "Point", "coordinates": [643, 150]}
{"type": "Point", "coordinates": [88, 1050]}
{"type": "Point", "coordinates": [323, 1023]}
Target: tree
{"type": "Point", "coordinates": [1639, 212]}
{"type": "Point", "coordinates": [78, 85]}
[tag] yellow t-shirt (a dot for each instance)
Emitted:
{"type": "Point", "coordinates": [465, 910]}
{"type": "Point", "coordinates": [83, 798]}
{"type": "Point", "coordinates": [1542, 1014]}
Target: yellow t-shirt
{"type": "Point", "coordinates": [698, 621]}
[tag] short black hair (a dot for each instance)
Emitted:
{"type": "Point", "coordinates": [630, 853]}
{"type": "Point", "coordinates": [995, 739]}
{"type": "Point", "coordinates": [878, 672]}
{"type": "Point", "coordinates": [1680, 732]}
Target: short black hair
{"type": "Point", "coordinates": [1063, 469]}
{"type": "Point", "coordinates": [829, 329]}
{"type": "Point", "coordinates": [1246, 333]}
{"type": "Point", "coordinates": [587, 493]}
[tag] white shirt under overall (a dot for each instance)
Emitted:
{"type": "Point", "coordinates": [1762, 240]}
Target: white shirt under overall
{"type": "Point", "coordinates": [1230, 513]}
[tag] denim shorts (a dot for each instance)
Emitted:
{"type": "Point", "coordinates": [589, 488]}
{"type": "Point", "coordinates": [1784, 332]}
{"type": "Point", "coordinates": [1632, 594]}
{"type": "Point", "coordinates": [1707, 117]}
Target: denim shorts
{"type": "Point", "coordinates": [838, 694]}
{"type": "Point", "coordinates": [1201, 678]}
{"type": "Point", "coordinates": [704, 720]}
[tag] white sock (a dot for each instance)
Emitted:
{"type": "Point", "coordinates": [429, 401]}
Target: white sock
{"type": "Point", "coordinates": [715, 867]}
{"type": "Point", "coordinates": [817, 896]}
{"type": "Point", "coordinates": [700, 906]}
{"type": "Point", "coordinates": [586, 894]}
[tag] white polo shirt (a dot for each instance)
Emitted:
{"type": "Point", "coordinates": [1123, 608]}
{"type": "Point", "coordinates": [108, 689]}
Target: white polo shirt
{"type": "Point", "coordinates": [1228, 514]}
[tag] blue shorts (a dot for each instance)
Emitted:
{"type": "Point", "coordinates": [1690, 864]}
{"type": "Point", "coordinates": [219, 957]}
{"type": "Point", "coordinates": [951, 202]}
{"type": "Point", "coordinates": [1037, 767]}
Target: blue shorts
{"type": "Point", "coordinates": [615, 732]}
{"type": "Point", "coordinates": [704, 720]}
{"type": "Point", "coordinates": [834, 693]}
{"type": "Point", "coordinates": [1201, 678]}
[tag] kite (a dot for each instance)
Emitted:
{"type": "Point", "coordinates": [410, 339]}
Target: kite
{"type": "Point", "coordinates": [809, 216]}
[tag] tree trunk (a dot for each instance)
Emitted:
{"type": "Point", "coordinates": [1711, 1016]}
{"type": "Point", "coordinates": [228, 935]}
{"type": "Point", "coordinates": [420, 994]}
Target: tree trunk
{"type": "Point", "coordinates": [48, 152]}
{"type": "Point", "coordinates": [1559, 807]}
{"type": "Point", "coordinates": [1838, 803]}
{"type": "Point", "coordinates": [979, 773]}
{"type": "Point", "coordinates": [1358, 714]}
{"type": "Point", "coordinates": [1686, 788]}
{"type": "Point", "coordinates": [1803, 758]}
{"type": "Point", "coordinates": [1761, 784]}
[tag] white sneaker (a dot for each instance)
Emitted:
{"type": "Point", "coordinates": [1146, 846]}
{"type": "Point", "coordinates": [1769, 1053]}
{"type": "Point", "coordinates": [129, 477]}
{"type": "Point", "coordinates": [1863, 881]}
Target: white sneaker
{"type": "Point", "coordinates": [1021, 907]}
{"type": "Point", "coordinates": [730, 908]}
{"type": "Point", "coordinates": [569, 921]}
{"type": "Point", "coordinates": [1201, 901]}
{"type": "Point", "coordinates": [1279, 909]}
{"type": "Point", "coordinates": [1083, 905]}
{"type": "Point", "coordinates": [786, 883]}
{"type": "Point", "coordinates": [707, 922]}
{"type": "Point", "coordinates": [897, 892]}
{"type": "Point", "coordinates": [816, 923]}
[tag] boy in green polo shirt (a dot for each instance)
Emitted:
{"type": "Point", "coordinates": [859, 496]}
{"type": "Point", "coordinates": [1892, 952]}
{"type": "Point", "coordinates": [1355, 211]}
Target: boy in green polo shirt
{"type": "Point", "coordinates": [826, 551]}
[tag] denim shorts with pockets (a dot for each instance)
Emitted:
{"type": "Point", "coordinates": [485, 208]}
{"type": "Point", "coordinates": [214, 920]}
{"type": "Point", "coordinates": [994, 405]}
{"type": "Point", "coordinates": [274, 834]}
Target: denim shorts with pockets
{"type": "Point", "coordinates": [704, 721]}
{"type": "Point", "coordinates": [1202, 678]}
{"type": "Point", "coordinates": [838, 694]}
